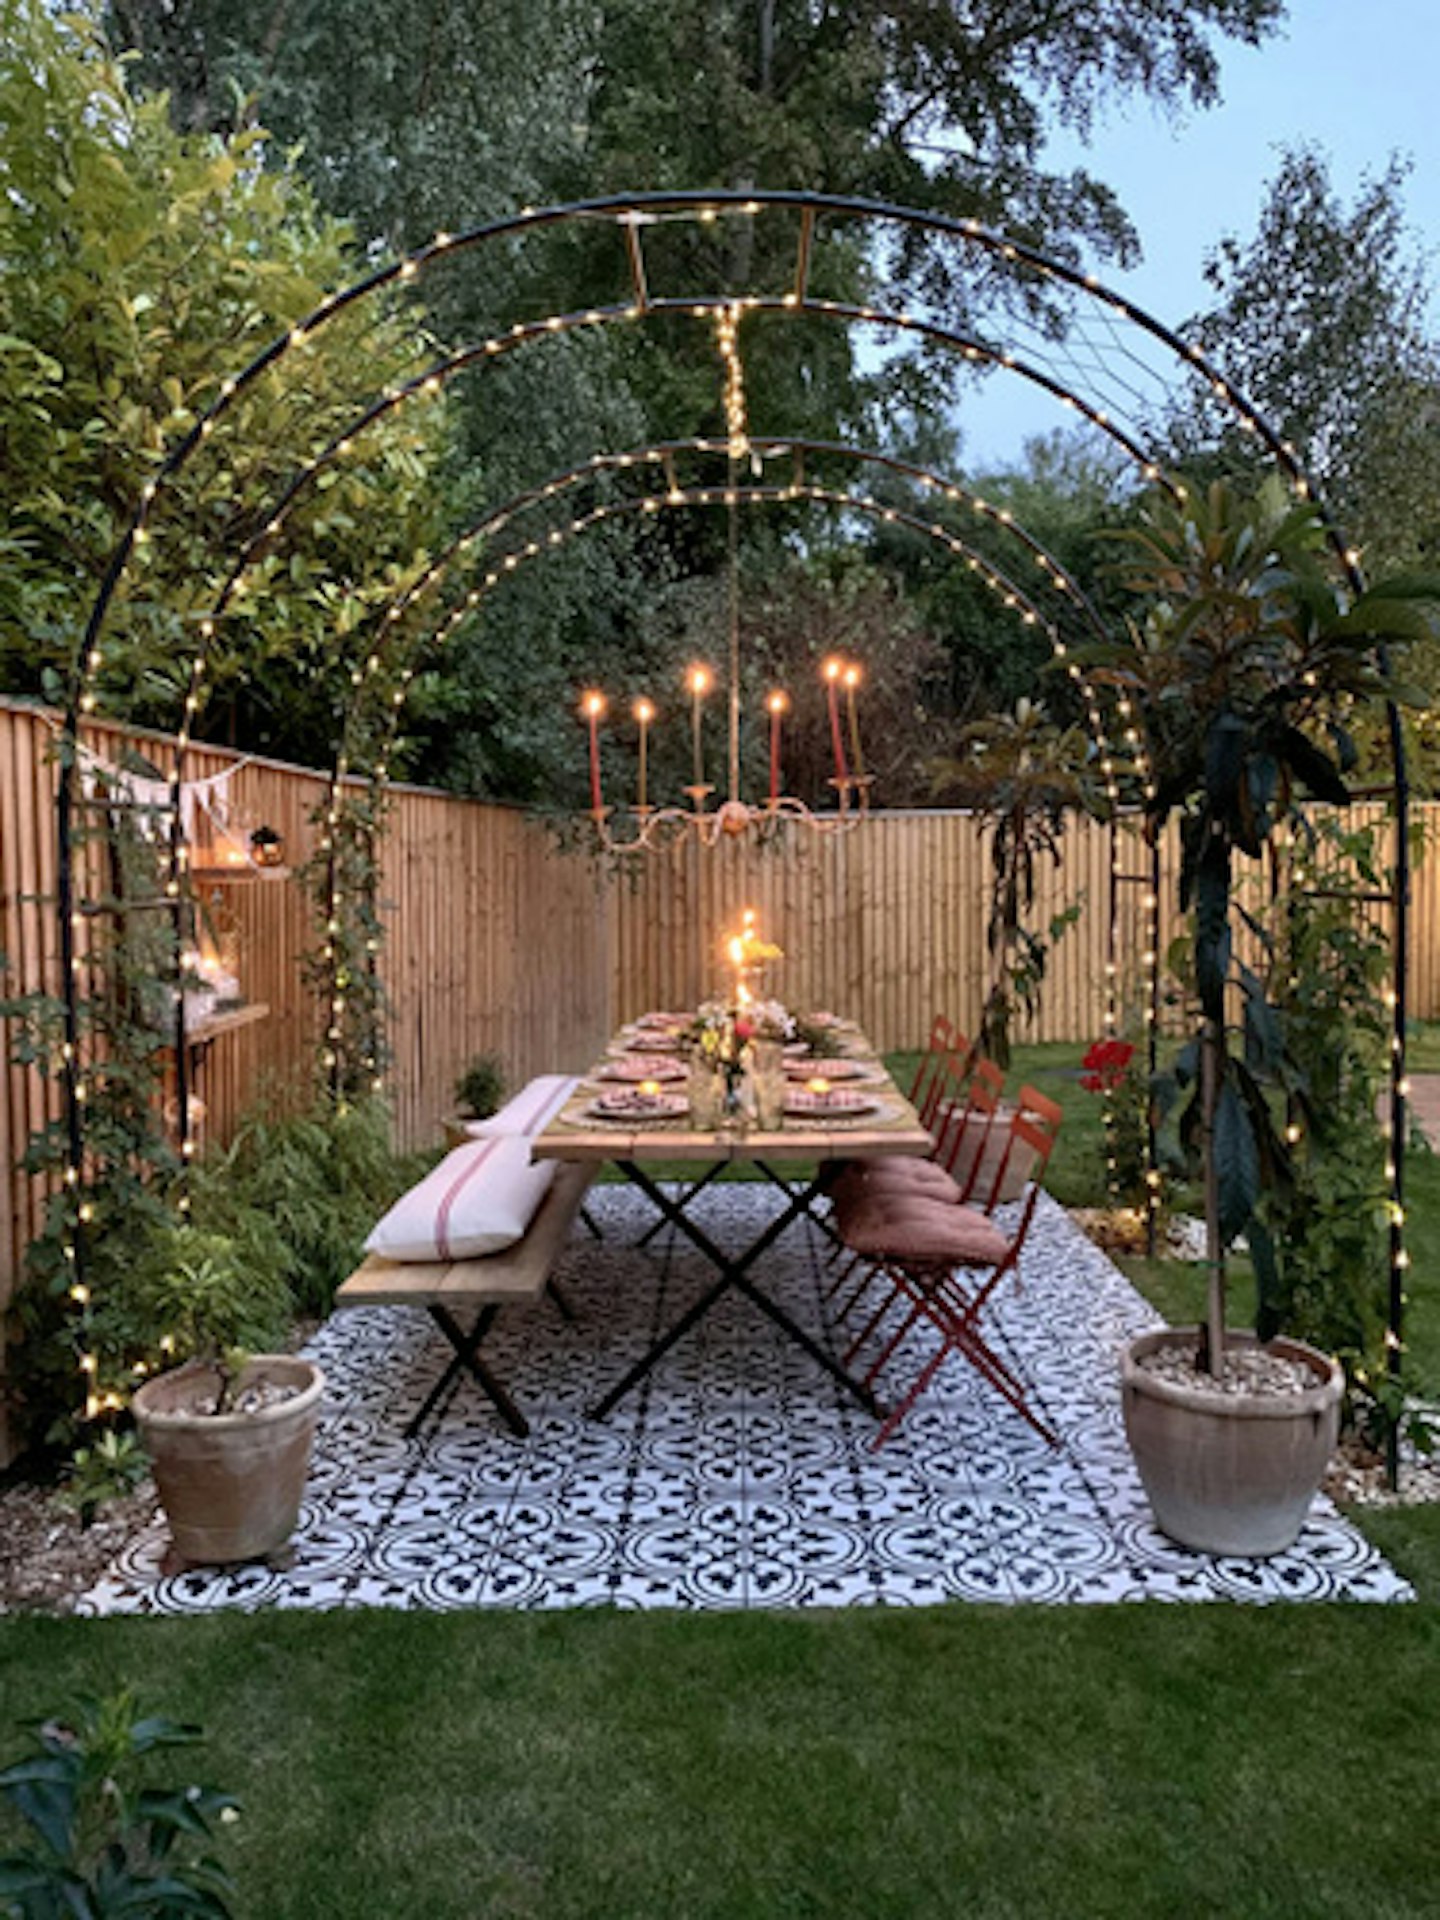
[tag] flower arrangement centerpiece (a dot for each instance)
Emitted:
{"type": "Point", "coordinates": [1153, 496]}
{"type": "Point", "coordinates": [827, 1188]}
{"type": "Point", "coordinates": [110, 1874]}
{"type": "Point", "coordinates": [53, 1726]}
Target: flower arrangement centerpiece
{"type": "Point", "coordinates": [735, 1043]}
{"type": "Point", "coordinates": [719, 1038]}
{"type": "Point", "coordinates": [770, 1021]}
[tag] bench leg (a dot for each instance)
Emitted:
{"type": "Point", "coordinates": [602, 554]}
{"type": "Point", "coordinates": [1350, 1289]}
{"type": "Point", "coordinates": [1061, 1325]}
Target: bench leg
{"type": "Point", "coordinates": [467, 1359]}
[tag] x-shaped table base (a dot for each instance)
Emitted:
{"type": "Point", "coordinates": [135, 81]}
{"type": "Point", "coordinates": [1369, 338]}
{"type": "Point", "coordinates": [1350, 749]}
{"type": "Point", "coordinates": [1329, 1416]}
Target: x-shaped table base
{"type": "Point", "coordinates": [467, 1360]}
{"type": "Point", "coordinates": [732, 1273]}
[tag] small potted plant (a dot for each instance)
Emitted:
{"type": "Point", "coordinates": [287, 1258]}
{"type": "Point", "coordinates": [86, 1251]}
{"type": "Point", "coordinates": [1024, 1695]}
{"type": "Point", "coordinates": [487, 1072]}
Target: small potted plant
{"type": "Point", "coordinates": [229, 1431]}
{"type": "Point", "coordinates": [1247, 675]}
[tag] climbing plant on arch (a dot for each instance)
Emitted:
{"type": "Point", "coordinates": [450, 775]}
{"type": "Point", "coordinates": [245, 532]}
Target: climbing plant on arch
{"type": "Point", "coordinates": [1108, 364]}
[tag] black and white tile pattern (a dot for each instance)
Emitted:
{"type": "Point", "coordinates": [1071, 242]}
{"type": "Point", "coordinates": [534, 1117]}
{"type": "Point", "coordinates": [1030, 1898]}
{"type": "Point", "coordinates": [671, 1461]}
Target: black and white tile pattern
{"type": "Point", "coordinates": [737, 1474]}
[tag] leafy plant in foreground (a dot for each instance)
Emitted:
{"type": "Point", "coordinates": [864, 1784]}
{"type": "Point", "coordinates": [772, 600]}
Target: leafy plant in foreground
{"type": "Point", "coordinates": [105, 1844]}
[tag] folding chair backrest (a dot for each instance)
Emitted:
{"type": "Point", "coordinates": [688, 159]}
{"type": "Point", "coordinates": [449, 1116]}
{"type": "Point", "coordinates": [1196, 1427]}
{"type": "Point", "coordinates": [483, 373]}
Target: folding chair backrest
{"type": "Point", "coordinates": [926, 1087]}
{"type": "Point", "coordinates": [1031, 1131]}
{"type": "Point", "coordinates": [963, 1126]}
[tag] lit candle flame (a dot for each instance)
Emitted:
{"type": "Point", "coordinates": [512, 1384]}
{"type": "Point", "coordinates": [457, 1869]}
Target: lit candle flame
{"type": "Point", "coordinates": [818, 1085]}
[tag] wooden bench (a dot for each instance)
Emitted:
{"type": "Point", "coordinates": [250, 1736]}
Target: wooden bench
{"type": "Point", "coordinates": [445, 1288]}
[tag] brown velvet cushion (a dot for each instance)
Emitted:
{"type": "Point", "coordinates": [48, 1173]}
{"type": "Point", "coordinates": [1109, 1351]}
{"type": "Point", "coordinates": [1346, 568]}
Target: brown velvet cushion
{"type": "Point", "coordinates": [923, 1230]}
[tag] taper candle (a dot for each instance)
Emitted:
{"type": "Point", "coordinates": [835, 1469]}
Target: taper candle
{"type": "Point", "coordinates": [592, 705]}
{"type": "Point", "coordinates": [852, 681]}
{"type": "Point", "coordinates": [777, 703]}
{"type": "Point", "coordinates": [644, 713]}
{"type": "Point", "coordinates": [698, 681]}
{"type": "Point", "coordinates": [831, 671]}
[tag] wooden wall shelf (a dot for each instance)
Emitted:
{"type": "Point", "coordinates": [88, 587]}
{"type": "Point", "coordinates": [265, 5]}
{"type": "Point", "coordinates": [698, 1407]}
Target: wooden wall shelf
{"type": "Point", "coordinates": [230, 1021]}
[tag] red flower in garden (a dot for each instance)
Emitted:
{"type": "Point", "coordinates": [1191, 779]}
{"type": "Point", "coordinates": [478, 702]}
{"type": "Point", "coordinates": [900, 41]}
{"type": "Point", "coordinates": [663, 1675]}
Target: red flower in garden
{"type": "Point", "coordinates": [1106, 1065]}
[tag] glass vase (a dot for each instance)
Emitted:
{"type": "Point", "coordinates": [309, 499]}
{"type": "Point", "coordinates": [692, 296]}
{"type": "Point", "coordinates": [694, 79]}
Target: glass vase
{"type": "Point", "coordinates": [767, 1074]}
{"type": "Point", "coordinates": [707, 1094]}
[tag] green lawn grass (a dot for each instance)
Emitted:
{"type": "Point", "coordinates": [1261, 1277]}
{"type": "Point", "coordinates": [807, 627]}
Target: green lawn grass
{"type": "Point", "coordinates": [1125, 1761]}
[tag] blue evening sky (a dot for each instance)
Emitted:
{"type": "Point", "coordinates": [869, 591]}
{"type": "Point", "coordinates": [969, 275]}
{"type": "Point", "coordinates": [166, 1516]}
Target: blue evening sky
{"type": "Point", "coordinates": [1358, 78]}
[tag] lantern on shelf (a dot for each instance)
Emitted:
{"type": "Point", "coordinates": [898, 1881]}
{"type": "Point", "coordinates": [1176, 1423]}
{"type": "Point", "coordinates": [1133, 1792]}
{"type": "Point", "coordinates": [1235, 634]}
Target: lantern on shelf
{"type": "Point", "coordinates": [267, 847]}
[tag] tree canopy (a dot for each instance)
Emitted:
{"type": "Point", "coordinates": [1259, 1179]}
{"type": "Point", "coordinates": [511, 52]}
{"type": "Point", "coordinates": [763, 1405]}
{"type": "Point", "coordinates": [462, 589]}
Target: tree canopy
{"type": "Point", "coordinates": [345, 110]}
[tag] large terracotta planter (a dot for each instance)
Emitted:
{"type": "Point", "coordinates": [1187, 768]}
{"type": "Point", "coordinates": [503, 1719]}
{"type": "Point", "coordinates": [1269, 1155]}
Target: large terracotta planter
{"type": "Point", "coordinates": [1233, 1475]}
{"type": "Point", "coordinates": [231, 1483]}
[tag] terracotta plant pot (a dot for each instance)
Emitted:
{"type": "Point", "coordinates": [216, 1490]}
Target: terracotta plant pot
{"type": "Point", "coordinates": [1233, 1475]}
{"type": "Point", "coordinates": [230, 1483]}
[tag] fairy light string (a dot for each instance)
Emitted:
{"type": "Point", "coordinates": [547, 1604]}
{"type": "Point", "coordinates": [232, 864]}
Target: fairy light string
{"type": "Point", "coordinates": [627, 214]}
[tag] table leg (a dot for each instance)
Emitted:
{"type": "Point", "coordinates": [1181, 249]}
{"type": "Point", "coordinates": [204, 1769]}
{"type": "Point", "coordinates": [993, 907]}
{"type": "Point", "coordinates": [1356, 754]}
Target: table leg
{"type": "Point", "coordinates": [732, 1274]}
{"type": "Point", "coordinates": [682, 1201]}
{"type": "Point", "coordinates": [467, 1359]}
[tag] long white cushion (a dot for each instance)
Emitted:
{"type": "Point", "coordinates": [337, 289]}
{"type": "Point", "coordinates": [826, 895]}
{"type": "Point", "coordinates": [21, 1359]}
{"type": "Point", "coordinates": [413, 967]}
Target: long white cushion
{"type": "Point", "coordinates": [480, 1199]}
{"type": "Point", "coordinates": [530, 1111]}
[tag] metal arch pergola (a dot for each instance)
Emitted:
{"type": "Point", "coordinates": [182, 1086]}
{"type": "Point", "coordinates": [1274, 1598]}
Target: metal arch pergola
{"type": "Point", "coordinates": [631, 216]}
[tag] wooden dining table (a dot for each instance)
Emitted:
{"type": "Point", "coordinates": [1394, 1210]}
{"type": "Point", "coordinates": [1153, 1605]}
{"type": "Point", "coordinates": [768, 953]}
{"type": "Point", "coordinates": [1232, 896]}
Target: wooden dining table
{"type": "Point", "coordinates": [791, 1161]}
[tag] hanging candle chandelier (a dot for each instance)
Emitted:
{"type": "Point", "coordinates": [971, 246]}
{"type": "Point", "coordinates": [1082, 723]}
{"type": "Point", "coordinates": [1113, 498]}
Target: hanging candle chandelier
{"type": "Point", "coordinates": [640, 827]}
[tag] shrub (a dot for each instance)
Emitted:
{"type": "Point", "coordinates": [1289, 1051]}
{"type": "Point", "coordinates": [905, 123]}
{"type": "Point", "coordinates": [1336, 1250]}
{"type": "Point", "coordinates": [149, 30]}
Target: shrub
{"type": "Point", "coordinates": [481, 1087]}
{"type": "Point", "coordinates": [298, 1192]}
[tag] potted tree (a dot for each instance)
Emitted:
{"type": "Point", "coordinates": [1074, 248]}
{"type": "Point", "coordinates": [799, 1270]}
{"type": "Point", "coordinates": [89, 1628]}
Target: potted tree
{"type": "Point", "coordinates": [1247, 674]}
{"type": "Point", "coordinates": [228, 1432]}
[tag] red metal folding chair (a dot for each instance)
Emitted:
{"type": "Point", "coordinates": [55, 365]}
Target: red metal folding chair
{"type": "Point", "coordinates": [967, 1145]}
{"type": "Point", "coordinates": [927, 1089]}
{"type": "Point", "coordinates": [942, 1264]}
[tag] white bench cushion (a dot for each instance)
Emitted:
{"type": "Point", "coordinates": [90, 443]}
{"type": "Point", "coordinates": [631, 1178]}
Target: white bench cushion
{"type": "Point", "coordinates": [480, 1199]}
{"type": "Point", "coordinates": [530, 1111]}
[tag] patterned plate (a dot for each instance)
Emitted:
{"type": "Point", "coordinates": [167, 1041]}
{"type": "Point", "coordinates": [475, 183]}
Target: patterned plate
{"type": "Point", "coordinates": [838, 1104]}
{"type": "Point", "coordinates": [653, 1040]}
{"type": "Point", "coordinates": [671, 1020]}
{"type": "Point", "coordinates": [630, 1105]}
{"type": "Point", "coordinates": [642, 1067]}
{"type": "Point", "coordinates": [828, 1070]}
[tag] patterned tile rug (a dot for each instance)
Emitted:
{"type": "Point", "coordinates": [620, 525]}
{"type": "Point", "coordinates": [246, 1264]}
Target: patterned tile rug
{"type": "Point", "coordinates": [738, 1474]}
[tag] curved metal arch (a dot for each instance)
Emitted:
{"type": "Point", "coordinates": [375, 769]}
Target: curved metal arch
{"type": "Point", "coordinates": [434, 378]}
{"type": "Point", "coordinates": [630, 212]}
{"type": "Point", "coordinates": [387, 620]}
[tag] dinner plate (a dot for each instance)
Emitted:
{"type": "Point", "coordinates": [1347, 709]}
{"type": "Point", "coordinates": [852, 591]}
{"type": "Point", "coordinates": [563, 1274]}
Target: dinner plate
{"type": "Point", "coordinates": [629, 1104]}
{"type": "Point", "coordinates": [653, 1040]}
{"type": "Point", "coordinates": [642, 1066]}
{"type": "Point", "coordinates": [675, 1020]}
{"type": "Point", "coordinates": [829, 1070]}
{"type": "Point", "coordinates": [840, 1103]}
